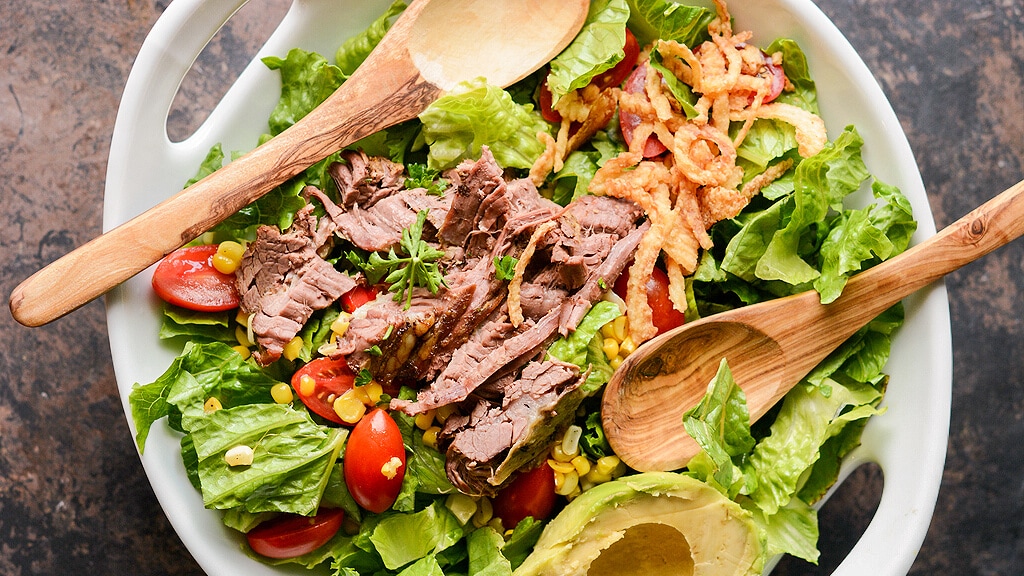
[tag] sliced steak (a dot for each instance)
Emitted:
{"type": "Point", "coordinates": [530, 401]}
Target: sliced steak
{"type": "Point", "coordinates": [363, 180]}
{"type": "Point", "coordinates": [283, 280]}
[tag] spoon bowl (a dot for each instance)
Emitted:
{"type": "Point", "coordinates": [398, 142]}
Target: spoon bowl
{"type": "Point", "coordinates": [771, 346]}
{"type": "Point", "coordinates": [434, 45]}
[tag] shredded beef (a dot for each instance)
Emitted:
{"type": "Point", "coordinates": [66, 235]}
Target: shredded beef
{"type": "Point", "coordinates": [282, 281]}
{"type": "Point", "coordinates": [363, 180]}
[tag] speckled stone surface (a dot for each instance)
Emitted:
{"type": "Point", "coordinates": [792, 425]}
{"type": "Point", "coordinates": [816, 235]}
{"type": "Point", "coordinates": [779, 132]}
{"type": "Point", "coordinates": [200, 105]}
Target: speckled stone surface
{"type": "Point", "coordinates": [73, 495]}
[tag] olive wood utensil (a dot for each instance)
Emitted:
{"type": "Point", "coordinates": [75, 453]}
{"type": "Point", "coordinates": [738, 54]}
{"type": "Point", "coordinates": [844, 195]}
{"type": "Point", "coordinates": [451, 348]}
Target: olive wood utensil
{"type": "Point", "coordinates": [434, 45]}
{"type": "Point", "coordinates": [772, 345]}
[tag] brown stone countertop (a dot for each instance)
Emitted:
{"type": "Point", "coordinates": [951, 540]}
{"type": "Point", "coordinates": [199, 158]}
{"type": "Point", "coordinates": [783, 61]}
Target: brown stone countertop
{"type": "Point", "coordinates": [73, 495]}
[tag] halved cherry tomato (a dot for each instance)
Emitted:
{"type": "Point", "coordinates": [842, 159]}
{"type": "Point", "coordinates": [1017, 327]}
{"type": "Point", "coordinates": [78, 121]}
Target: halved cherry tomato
{"type": "Point", "coordinates": [614, 76]}
{"type": "Point", "coordinates": [358, 296]}
{"type": "Point", "coordinates": [332, 378]}
{"type": "Point", "coordinates": [530, 493]}
{"type": "Point", "coordinates": [187, 278]}
{"type": "Point", "coordinates": [291, 535]}
{"type": "Point", "coordinates": [778, 78]}
{"type": "Point", "coordinates": [374, 461]}
{"type": "Point", "coordinates": [666, 317]}
{"type": "Point", "coordinates": [628, 121]}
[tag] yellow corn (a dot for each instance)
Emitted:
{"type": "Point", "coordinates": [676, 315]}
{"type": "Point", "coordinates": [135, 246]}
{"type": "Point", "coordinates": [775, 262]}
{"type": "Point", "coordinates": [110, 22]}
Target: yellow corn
{"type": "Point", "coordinates": [281, 393]}
{"type": "Point", "coordinates": [228, 257]}
{"type": "Point", "coordinates": [610, 347]}
{"type": "Point", "coordinates": [390, 468]}
{"type": "Point", "coordinates": [484, 512]}
{"type": "Point", "coordinates": [443, 412]}
{"type": "Point", "coordinates": [341, 323]}
{"type": "Point", "coordinates": [349, 407]}
{"type": "Point", "coordinates": [240, 455]}
{"type": "Point", "coordinates": [292, 349]}
{"type": "Point", "coordinates": [425, 420]}
{"type": "Point", "coordinates": [607, 464]}
{"type": "Point", "coordinates": [307, 385]}
{"type": "Point", "coordinates": [627, 347]}
{"type": "Point", "coordinates": [619, 328]}
{"type": "Point", "coordinates": [558, 454]}
{"type": "Point", "coordinates": [565, 484]}
{"type": "Point", "coordinates": [430, 436]}
{"type": "Point", "coordinates": [211, 405]}
{"type": "Point", "coordinates": [373, 391]}
{"type": "Point", "coordinates": [561, 467]}
{"type": "Point", "coordinates": [581, 465]}
{"type": "Point", "coordinates": [243, 351]}
{"type": "Point", "coordinates": [360, 393]}
{"type": "Point", "coordinates": [597, 477]}
{"type": "Point", "coordinates": [242, 335]}
{"type": "Point", "coordinates": [615, 362]}
{"type": "Point", "coordinates": [242, 318]}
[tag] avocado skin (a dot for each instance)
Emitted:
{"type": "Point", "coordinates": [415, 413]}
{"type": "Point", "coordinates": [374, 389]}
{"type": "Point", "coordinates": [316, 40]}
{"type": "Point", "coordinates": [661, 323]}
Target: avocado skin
{"type": "Point", "coordinates": [626, 527]}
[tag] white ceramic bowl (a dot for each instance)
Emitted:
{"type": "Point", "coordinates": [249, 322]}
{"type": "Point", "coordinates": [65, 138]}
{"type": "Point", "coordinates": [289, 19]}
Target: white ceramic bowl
{"type": "Point", "coordinates": [908, 442]}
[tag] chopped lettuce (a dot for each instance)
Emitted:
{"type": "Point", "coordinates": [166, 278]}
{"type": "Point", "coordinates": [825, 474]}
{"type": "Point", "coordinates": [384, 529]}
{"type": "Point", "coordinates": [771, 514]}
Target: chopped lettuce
{"type": "Point", "coordinates": [597, 48]}
{"type": "Point", "coordinates": [353, 51]}
{"type": "Point", "coordinates": [476, 114]}
{"type": "Point", "coordinates": [404, 537]}
{"type": "Point", "coordinates": [669, 20]}
{"type": "Point", "coordinates": [307, 79]}
{"type": "Point", "coordinates": [583, 346]}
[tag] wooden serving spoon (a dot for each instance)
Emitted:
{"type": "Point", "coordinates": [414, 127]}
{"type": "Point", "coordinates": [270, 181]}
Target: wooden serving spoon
{"type": "Point", "coordinates": [771, 346]}
{"type": "Point", "coordinates": [434, 45]}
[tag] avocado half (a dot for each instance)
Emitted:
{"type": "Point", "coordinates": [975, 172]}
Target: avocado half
{"type": "Point", "coordinates": [650, 523]}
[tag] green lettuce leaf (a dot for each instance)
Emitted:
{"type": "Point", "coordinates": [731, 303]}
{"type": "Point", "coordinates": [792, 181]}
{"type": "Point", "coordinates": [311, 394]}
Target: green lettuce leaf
{"type": "Point", "coordinates": [354, 51]}
{"type": "Point", "coordinates": [485, 557]}
{"type": "Point", "coordinates": [293, 458]}
{"type": "Point", "coordinates": [669, 20]}
{"type": "Point", "coordinates": [307, 79]}
{"type": "Point", "coordinates": [202, 326]}
{"type": "Point", "coordinates": [794, 63]}
{"type": "Point", "coordinates": [597, 48]}
{"type": "Point", "coordinates": [401, 537]}
{"type": "Point", "coordinates": [475, 114]}
{"type": "Point", "coordinates": [577, 348]}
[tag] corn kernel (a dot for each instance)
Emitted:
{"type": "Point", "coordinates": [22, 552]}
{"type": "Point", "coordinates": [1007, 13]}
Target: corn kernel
{"type": "Point", "coordinates": [211, 405]}
{"type": "Point", "coordinates": [581, 464]}
{"type": "Point", "coordinates": [484, 513]}
{"type": "Point", "coordinates": [373, 391]}
{"type": "Point", "coordinates": [608, 330]}
{"type": "Point", "coordinates": [443, 412]}
{"type": "Point", "coordinates": [425, 420]}
{"type": "Point", "coordinates": [228, 257]}
{"type": "Point", "coordinates": [627, 347]}
{"type": "Point", "coordinates": [569, 483]}
{"type": "Point", "coordinates": [610, 348]}
{"type": "Point", "coordinates": [231, 249]}
{"type": "Point", "coordinates": [607, 464]}
{"type": "Point", "coordinates": [596, 477]}
{"type": "Point", "coordinates": [390, 468]}
{"type": "Point", "coordinates": [242, 335]}
{"type": "Point", "coordinates": [430, 436]}
{"type": "Point", "coordinates": [574, 493]}
{"type": "Point", "coordinates": [619, 328]}
{"type": "Point", "coordinates": [560, 467]}
{"type": "Point", "coordinates": [461, 506]}
{"type": "Point", "coordinates": [571, 441]}
{"type": "Point", "coordinates": [243, 351]}
{"type": "Point", "coordinates": [349, 407]}
{"type": "Point", "coordinates": [360, 393]}
{"type": "Point", "coordinates": [615, 362]}
{"type": "Point", "coordinates": [242, 318]}
{"type": "Point", "coordinates": [240, 455]}
{"type": "Point", "coordinates": [341, 323]}
{"type": "Point", "coordinates": [558, 454]}
{"type": "Point", "coordinates": [281, 393]}
{"type": "Point", "coordinates": [307, 385]}
{"type": "Point", "coordinates": [292, 349]}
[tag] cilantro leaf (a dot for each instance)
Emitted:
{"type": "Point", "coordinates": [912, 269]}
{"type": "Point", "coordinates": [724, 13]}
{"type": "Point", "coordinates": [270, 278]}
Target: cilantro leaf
{"type": "Point", "coordinates": [417, 269]}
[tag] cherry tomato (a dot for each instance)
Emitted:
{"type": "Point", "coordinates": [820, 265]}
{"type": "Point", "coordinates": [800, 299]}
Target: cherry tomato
{"type": "Point", "coordinates": [530, 493]}
{"type": "Point", "coordinates": [666, 317]}
{"type": "Point", "coordinates": [374, 461]}
{"type": "Point", "coordinates": [187, 278]}
{"type": "Point", "coordinates": [628, 121]}
{"type": "Point", "coordinates": [544, 99]}
{"type": "Point", "coordinates": [291, 535]}
{"type": "Point", "coordinates": [358, 296]}
{"type": "Point", "coordinates": [615, 75]}
{"type": "Point", "coordinates": [778, 78]}
{"type": "Point", "coordinates": [332, 378]}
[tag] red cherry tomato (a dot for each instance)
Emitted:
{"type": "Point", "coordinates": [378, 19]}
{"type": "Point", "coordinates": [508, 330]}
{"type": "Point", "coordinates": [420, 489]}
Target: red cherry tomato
{"type": "Point", "coordinates": [332, 378]}
{"type": "Point", "coordinates": [531, 493]}
{"type": "Point", "coordinates": [778, 78]}
{"type": "Point", "coordinates": [615, 75]}
{"type": "Point", "coordinates": [291, 535]}
{"type": "Point", "coordinates": [628, 121]}
{"type": "Point", "coordinates": [544, 99]}
{"type": "Point", "coordinates": [187, 278]}
{"type": "Point", "coordinates": [374, 461]}
{"type": "Point", "coordinates": [666, 317]}
{"type": "Point", "coordinates": [358, 296]}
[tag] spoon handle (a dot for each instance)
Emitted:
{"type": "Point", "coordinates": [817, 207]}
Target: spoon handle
{"type": "Point", "coordinates": [363, 105]}
{"type": "Point", "coordinates": [867, 294]}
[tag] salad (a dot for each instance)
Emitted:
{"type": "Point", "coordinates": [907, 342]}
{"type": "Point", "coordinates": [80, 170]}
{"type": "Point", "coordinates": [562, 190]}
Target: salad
{"type": "Point", "coordinates": [393, 362]}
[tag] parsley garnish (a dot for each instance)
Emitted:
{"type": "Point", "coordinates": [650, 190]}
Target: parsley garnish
{"type": "Point", "coordinates": [363, 377]}
{"type": "Point", "coordinates": [505, 267]}
{"type": "Point", "coordinates": [420, 176]}
{"type": "Point", "coordinates": [417, 268]}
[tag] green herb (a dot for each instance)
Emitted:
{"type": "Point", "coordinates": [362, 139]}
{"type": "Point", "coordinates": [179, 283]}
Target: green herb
{"type": "Point", "coordinates": [417, 268]}
{"type": "Point", "coordinates": [505, 267]}
{"type": "Point", "coordinates": [374, 350]}
{"type": "Point", "coordinates": [422, 176]}
{"type": "Point", "coordinates": [363, 377]}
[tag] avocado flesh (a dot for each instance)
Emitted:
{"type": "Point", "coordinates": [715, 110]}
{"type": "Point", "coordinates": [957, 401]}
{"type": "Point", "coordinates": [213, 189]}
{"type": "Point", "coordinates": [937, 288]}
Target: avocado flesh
{"type": "Point", "coordinates": [651, 523]}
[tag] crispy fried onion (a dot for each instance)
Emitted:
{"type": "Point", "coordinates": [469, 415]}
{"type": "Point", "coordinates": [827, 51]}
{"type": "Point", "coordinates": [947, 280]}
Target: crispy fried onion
{"type": "Point", "coordinates": [697, 183]}
{"type": "Point", "coordinates": [515, 306]}
{"type": "Point", "coordinates": [584, 112]}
